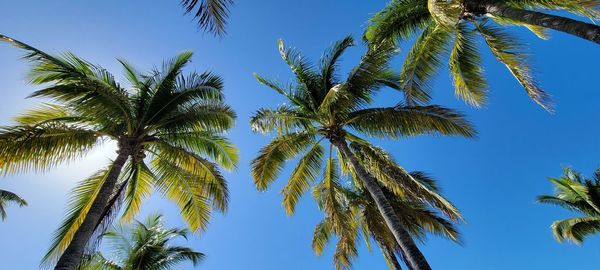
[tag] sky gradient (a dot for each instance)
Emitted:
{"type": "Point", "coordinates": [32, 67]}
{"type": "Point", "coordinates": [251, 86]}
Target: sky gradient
{"type": "Point", "coordinates": [493, 179]}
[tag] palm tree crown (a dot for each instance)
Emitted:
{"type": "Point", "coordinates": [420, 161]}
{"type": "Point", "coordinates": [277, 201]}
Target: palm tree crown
{"type": "Point", "coordinates": [576, 193]}
{"type": "Point", "coordinates": [451, 27]}
{"type": "Point", "coordinates": [7, 197]}
{"type": "Point", "coordinates": [169, 133]}
{"type": "Point", "coordinates": [143, 246]}
{"type": "Point", "coordinates": [326, 109]}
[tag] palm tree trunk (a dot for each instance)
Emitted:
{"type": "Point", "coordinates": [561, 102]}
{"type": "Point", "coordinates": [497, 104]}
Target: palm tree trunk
{"type": "Point", "coordinates": [389, 254]}
{"type": "Point", "coordinates": [71, 257]}
{"type": "Point", "coordinates": [577, 28]}
{"type": "Point", "coordinates": [414, 256]}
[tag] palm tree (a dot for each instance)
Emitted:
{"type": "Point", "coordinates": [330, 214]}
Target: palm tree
{"type": "Point", "coordinates": [143, 246]}
{"type": "Point", "coordinates": [452, 26]}
{"type": "Point", "coordinates": [7, 197]}
{"type": "Point", "coordinates": [168, 128]}
{"type": "Point", "coordinates": [325, 109]}
{"type": "Point", "coordinates": [576, 193]}
{"type": "Point", "coordinates": [212, 15]}
{"type": "Point", "coordinates": [355, 212]}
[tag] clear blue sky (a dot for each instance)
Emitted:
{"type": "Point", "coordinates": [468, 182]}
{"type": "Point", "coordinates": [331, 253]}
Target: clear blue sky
{"type": "Point", "coordinates": [493, 179]}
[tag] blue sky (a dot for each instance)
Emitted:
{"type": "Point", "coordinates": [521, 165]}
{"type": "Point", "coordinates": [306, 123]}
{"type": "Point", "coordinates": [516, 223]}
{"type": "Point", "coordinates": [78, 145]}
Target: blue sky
{"type": "Point", "coordinates": [493, 179]}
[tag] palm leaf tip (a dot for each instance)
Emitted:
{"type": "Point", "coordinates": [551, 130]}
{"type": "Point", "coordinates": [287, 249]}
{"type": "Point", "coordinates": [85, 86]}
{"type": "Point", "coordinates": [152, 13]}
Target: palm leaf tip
{"type": "Point", "coordinates": [212, 15]}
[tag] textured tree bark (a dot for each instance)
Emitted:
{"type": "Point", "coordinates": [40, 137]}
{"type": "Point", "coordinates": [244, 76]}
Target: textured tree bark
{"type": "Point", "coordinates": [71, 257]}
{"type": "Point", "coordinates": [414, 257]}
{"type": "Point", "coordinates": [580, 29]}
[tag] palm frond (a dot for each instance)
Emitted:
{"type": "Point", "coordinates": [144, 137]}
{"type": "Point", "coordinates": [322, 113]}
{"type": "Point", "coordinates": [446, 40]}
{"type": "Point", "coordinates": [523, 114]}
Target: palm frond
{"type": "Point", "coordinates": [37, 148]}
{"type": "Point", "coordinates": [400, 19]}
{"type": "Point", "coordinates": [508, 50]}
{"type": "Point", "coordinates": [283, 119]}
{"type": "Point", "coordinates": [79, 204]}
{"type": "Point", "coordinates": [539, 31]}
{"type": "Point", "coordinates": [192, 182]}
{"type": "Point", "coordinates": [321, 236]}
{"type": "Point", "coordinates": [270, 161]}
{"type": "Point", "coordinates": [7, 197]}
{"type": "Point", "coordinates": [575, 229]}
{"type": "Point", "coordinates": [586, 8]}
{"type": "Point", "coordinates": [399, 181]}
{"type": "Point", "coordinates": [139, 187]}
{"type": "Point", "coordinates": [212, 15]}
{"type": "Point", "coordinates": [366, 77]}
{"type": "Point", "coordinates": [204, 116]}
{"type": "Point", "coordinates": [330, 59]}
{"type": "Point", "coordinates": [465, 66]}
{"type": "Point", "coordinates": [402, 121]}
{"type": "Point", "coordinates": [214, 146]}
{"type": "Point", "coordinates": [422, 63]}
{"type": "Point", "coordinates": [306, 77]}
{"type": "Point", "coordinates": [306, 172]}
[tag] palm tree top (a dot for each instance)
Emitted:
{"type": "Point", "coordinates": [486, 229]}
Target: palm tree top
{"type": "Point", "coordinates": [169, 128]}
{"type": "Point", "coordinates": [144, 245]}
{"type": "Point", "coordinates": [329, 111]}
{"type": "Point", "coordinates": [450, 28]}
{"type": "Point", "coordinates": [320, 98]}
{"type": "Point", "coordinates": [576, 193]}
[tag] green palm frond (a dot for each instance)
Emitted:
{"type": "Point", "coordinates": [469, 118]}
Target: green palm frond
{"type": "Point", "coordinates": [269, 163]}
{"type": "Point", "coordinates": [508, 50]}
{"type": "Point", "coordinates": [399, 20]}
{"type": "Point", "coordinates": [306, 172]}
{"type": "Point", "coordinates": [212, 15]}
{"type": "Point", "coordinates": [306, 76]}
{"type": "Point", "coordinates": [537, 30]}
{"type": "Point", "coordinates": [282, 119]}
{"type": "Point", "coordinates": [402, 121]}
{"type": "Point", "coordinates": [38, 148]}
{"type": "Point", "coordinates": [365, 78]}
{"type": "Point", "coordinates": [139, 187]}
{"type": "Point", "coordinates": [579, 194]}
{"type": "Point", "coordinates": [322, 235]}
{"type": "Point", "coordinates": [422, 63]}
{"type": "Point", "coordinates": [586, 8]}
{"type": "Point", "coordinates": [85, 87]}
{"type": "Point", "coordinates": [205, 116]}
{"type": "Point", "coordinates": [575, 229]}
{"type": "Point", "coordinates": [45, 114]}
{"type": "Point", "coordinates": [330, 59]}
{"type": "Point", "coordinates": [402, 183]}
{"type": "Point", "coordinates": [7, 197]}
{"type": "Point", "coordinates": [163, 83]}
{"type": "Point", "coordinates": [80, 202]}
{"type": "Point", "coordinates": [185, 92]}
{"type": "Point", "coordinates": [209, 144]}
{"type": "Point", "coordinates": [191, 181]}
{"type": "Point", "coordinates": [465, 67]}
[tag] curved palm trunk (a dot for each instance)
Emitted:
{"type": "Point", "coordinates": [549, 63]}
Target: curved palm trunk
{"type": "Point", "coordinates": [71, 257]}
{"type": "Point", "coordinates": [414, 257]}
{"type": "Point", "coordinates": [580, 29]}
